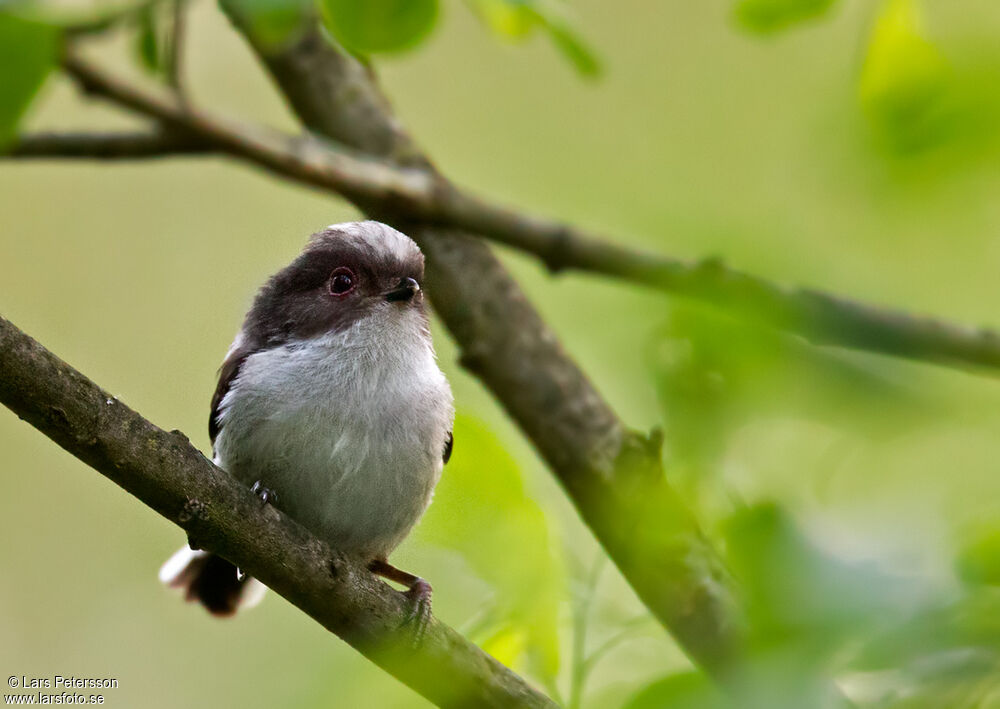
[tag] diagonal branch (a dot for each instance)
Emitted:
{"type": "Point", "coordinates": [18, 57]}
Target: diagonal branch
{"type": "Point", "coordinates": [136, 145]}
{"type": "Point", "coordinates": [414, 192]}
{"type": "Point", "coordinates": [306, 159]}
{"type": "Point", "coordinates": [166, 473]}
{"type": "Point", "coordinates": [612, 474]}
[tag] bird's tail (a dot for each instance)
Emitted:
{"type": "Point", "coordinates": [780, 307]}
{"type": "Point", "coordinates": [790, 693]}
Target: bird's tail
{"type": "Point", "coordinates": [212, 581]}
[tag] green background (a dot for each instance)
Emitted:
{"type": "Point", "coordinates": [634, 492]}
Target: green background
{"type": "Point", "coordinates": [699, 139]}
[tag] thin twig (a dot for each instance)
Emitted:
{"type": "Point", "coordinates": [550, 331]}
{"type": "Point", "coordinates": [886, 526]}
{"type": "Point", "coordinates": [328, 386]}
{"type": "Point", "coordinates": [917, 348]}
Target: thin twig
{"type": "Point", "coordinates": [165, 472]}
{"type": "Point", "coordinates": [579, 668]}
{"type": "Point", "coordinates": [629, 628]}
{"type": "Point", "coordinates": [175, 51]}
{"type": "Point", "coordinates": [417, 194]}
{"type": "Point", "coordinates": [108, 146]}
{"type": "Point", "coordinates": [305, 159]}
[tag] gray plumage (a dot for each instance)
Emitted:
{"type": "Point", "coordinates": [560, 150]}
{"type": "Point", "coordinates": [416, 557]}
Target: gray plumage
{"type": "Point", "coordinates": [334, 400]}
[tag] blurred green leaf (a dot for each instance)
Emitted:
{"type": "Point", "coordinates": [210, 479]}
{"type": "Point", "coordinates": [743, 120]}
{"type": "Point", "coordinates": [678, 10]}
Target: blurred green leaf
{"type": "Point", "coordinates": [685, 690]}
{"type": "Point", "coordinates": [271, 23]}
{"type": "Point", "coordinates": [946, 655]}
{"type": "Point", "coordinates": [517, 19]}
{"type": "Point", "coordinates": [148, 42]}
{"type": "Point", "coordinates": [508, 644]}
{"type": "Point", "coordinates": [797, 593]}
{"type": "Point", "coordinates": [935, 628]}
{"type": "Point", "coordinates": [29, 50]}
{"type": "Point", "coordinates": [508, 19]}
{"type": "Point", "coordinates": [375, 26]}
{"type": "Point", "coordinates": [481, 511]}
{"type": "Point", "coordinates": [715, 373]}
{"type": "Point", "coordinates": [965, 678]}
{"type": "Point", "coordinates": [978, 563]}
{"type": "Point", "coordinates": [573, 47]}
{"type": "Point", "coordinates": [95, 17]}
{"type": "Point", "coordinates": [905, 81]}
{"type": "Point", "coordinates": [767, 16]}
{"type": "Point", "coordinates": [806, 609]}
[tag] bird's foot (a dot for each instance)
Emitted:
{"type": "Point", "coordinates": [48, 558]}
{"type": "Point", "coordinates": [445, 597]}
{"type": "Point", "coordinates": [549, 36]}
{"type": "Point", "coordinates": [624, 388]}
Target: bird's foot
{"type": "Point", "coordinates": [417, 594]}
{"type": "Point", "coordinates": [418, 617]}
{"type": "Point", "coordinates": [267, 495]}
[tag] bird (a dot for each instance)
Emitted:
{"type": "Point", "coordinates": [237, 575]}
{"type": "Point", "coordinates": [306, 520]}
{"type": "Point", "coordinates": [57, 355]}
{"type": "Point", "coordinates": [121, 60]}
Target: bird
{"type": "Point", "coordinates": [331, 406]}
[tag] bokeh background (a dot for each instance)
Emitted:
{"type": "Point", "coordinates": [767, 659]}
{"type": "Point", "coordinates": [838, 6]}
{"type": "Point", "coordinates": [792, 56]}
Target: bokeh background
{"type": "Point", "coordinates": [857, 151]}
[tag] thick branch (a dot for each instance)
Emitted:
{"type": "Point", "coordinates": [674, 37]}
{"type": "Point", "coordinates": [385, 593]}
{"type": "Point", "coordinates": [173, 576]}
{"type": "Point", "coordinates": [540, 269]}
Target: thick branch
{"type": "Point", "coordinates": [108, 146]}
{"type": "Point", "coordinates": [165, 472]}
{"type": "Point", "coordinates": [613, 475]}
{"type": "Point", "coordinates": [416, 193]}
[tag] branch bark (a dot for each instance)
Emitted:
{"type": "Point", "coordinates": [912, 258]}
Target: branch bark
{"type": "Point", "coordinates": [613, 475]}
{"type": "Point", "coordinates": [139, 145]}
{"type": "Point", "coordinates": [165, 472]}
{"type": "Point", "coordinates": [399, 183]}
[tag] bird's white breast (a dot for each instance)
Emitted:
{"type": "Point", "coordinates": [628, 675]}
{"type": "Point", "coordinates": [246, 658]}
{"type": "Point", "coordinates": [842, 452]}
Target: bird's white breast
{"type": "Point", "coordinates": [347, 428]}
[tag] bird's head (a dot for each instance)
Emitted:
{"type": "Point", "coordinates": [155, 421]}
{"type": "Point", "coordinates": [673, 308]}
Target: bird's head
{"type": "Point", "coordinates": [346, 274]}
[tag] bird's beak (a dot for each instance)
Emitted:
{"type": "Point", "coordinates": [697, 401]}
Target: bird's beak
{"type": "Point", "coordinates": [405, 290]}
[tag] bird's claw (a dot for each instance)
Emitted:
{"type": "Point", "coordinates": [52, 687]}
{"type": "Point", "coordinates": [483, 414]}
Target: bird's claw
{"type": "Point", "coordinates": [418, 616]}
{"type": "Point", "coordinates": [267, 495]}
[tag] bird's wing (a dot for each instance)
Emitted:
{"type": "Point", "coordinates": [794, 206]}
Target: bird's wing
{"type": "Point", "coordinates": [448, 445]}
{"type": "Point", "coordinates": [227, 375]}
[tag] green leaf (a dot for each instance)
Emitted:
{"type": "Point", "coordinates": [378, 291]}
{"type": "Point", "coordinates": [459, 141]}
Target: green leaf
{"type": "Point", "coordinates": [374, 26]}
{"type": "Point", "coordinates": [148, 42]}
{"type": "Point", "coordinates": [573, 47]}
{"type": "Point", "coordinates": [507, 19]}
{"type": "Point", "coordinates": [905, 82]}
{"type": "Point", "coordinates": [716, 373]}
{"type": "Point", "coordinates": [767, 16]}
{"type": "Point", "coordinates": [979, 561]}
{"type": "Point", "coordinates": [798, 593]}
{"type": "Point", "coordinates": [686, 690]}
{"type": "Point", "coordinates": [270, 23]}
{"type": "Point", "coordinates": [29, 50]}
{"type": "Point", "coordinates": [962, 678]}
{"type": "Point", "coordinates": [516, 19]}
{"type": "Point", "coordinates": [481, 511]}
{"type": "Point", "coordinates": [806, 608]}
{"type": "Point", "coordinates": [942, 625]}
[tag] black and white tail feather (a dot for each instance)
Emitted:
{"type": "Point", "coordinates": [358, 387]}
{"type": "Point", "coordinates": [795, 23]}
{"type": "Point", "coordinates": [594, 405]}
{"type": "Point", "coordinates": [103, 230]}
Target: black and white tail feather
{"type": "Point", "coordinates": [211, 581]}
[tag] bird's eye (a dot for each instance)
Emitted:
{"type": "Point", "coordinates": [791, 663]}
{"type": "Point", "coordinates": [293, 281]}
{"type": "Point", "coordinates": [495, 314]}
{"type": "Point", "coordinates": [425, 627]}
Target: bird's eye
{"type": "Point", "coordinates": [341, 281]}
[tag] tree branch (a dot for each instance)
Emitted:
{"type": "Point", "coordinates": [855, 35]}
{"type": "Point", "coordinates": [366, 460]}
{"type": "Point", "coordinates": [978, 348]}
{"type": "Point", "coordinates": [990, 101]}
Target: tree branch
{"type": "Point", "coordinates": [415, 192]}
{"type": "Point", "coordinates": [165, 472]}
{"type": "Point", "coordinates": [174, 69]}
{"type": "Point", "coordinates": [613, 475]}
{"type": "Point", "coordinates": [108, 146]}
{"type": "Point", "coordinates": [305, 159]}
